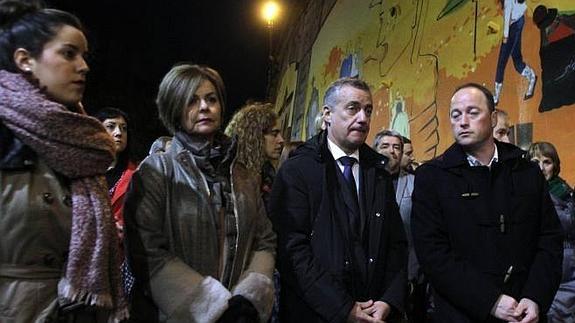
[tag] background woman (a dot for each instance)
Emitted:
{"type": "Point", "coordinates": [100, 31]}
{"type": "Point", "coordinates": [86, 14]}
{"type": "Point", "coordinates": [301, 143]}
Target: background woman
{"type": "Point", "coordinates": [120, 172]}
{"type": "Point", "coordinates": [544, 153]}
{"type": "Point", "coordinates": [201, 245]}
{"type": "Point", "coordinates": [58, 247]}
{"type": "Point", "coordinates": [260, 142]}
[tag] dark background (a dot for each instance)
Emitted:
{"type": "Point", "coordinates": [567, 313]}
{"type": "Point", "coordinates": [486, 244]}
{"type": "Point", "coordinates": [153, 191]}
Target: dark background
{"type": "Point", "coordinates": [133, 44]}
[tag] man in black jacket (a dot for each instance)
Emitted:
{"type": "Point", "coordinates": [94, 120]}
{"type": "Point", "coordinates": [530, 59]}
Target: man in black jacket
{"type": "Point", "coordinates": [341, 244]}
{"type": "Point", "coordinates": [485, 231]}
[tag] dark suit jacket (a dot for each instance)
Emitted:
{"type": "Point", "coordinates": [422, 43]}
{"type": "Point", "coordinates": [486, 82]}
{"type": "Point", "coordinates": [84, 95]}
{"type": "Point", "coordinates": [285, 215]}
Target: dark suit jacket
{"type": "Point", "coordinates": [471, 224]}
{"type": "Point", "coordinates": [322, 275]}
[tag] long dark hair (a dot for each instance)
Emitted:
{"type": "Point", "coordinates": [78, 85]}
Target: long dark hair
{"type": "Point", "coordinates": [25, 24]}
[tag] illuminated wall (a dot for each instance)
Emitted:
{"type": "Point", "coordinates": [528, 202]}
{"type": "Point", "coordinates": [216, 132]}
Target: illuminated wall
{"type": "Point", "coordinates": [413, 53]}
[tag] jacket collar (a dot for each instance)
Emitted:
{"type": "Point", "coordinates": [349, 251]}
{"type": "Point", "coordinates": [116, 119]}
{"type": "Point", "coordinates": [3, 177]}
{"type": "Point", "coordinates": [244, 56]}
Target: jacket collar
{"type": "Point", "coordinates": [455, 156]}
{"type": "Point", "coordinates": [317, 148]}
{"type": "Point", "coordinates": [13, 153]}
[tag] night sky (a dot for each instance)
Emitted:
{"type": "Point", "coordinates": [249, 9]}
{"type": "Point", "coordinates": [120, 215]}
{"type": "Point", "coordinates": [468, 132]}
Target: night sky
{"type": "Point", "coordinates": [133, 44]}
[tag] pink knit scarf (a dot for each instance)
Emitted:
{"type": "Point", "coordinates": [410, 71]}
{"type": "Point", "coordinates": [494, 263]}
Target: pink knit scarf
{"type": "Point", "coordinates": [77, 147]}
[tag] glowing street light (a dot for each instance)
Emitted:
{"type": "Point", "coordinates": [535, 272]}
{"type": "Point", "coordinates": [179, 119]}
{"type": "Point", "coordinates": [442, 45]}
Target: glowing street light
{"type": "Point", "coordinates": [270, 11]}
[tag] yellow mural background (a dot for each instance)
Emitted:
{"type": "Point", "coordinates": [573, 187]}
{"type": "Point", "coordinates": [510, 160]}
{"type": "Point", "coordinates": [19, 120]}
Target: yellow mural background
{"type": "Point", "coordinates": [412, 60]}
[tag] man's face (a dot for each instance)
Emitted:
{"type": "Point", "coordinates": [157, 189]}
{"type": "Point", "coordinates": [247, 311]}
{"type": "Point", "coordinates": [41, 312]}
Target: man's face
{"type": "Point", "coordinates": [407, 159]}
{"type": "Point", "coordinates": [348, 121]}
{"type": "Point", "coordinates": [501, 130]}
{"type": "Point", "coordinates": [471, 121]}
{"type": "Point", "coordinates": [390, 147]}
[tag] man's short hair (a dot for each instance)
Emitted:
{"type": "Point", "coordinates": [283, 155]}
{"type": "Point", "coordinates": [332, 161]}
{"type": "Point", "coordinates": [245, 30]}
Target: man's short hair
{"type": "Point", "coordinates": [387, 133]}
{"type": "Point", "coordinates": [483, 89]}
{"type": "Point", "coordinates": [502, 113]}
{"type": "Point", "coordinates": [331, 94]}
{"type": "Point", "coordinates": [406, 140]}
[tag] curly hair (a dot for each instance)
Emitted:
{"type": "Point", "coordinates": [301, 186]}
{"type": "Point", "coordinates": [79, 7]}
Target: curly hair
{"type": "Point", "coordinates": [249, 125]}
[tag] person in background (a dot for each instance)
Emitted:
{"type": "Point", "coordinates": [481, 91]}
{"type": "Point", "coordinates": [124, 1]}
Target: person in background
{"type": "Point", "coordinates": [545, 155]}
{"type": "Point", "coordinates": [390, 144]}
{"type": "Point", "coordinates": [59, 257]}
{"type": "Point", "coordinates": [120, 172]}
{"type": "Point", "coordinates": [484, 228]}
{"type": "Point", "coordinates": [260, 142]}
{"type": "Point", "coordinates": [502, 127]}
{"type": "Point", "coordinates": [200, 244]}
{"type": "Point", "coordinates": [342, 251]}
{"type": "Point", "coordinates": [408, 163]}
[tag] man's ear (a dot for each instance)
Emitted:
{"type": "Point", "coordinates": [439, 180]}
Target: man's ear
{"type": "Point", "coordinates": [326, 115]}
{"type": "Point", "coordinates": [24, 60]}
{"type": "Point", "coordinates": [493, 119]}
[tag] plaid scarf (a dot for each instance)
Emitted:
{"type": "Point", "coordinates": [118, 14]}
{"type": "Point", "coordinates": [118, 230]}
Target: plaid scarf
{"type": "Point", "coordinates": [79, 148]}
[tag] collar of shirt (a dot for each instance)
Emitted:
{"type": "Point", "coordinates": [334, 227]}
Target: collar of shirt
{"type": "Point", "coordinates": [474, 162]}
{"type": "Point", "coordinates": [338, 153]}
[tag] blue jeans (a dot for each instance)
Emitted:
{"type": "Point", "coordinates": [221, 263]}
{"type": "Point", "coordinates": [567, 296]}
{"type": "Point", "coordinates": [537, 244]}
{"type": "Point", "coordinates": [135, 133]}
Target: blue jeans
{"type": "Point", "coordinates": [511, 48]}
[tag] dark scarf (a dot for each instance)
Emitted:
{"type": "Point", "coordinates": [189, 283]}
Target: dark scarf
{"type": "Point", "coordinates": [558, 188]}
{"type": "Point", "coordinates": [77, 147]}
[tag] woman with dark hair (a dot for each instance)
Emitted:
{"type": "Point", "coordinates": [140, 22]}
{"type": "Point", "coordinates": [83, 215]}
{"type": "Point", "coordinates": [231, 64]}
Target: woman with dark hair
{"type": "Point", "coordinates": [201, 245]}
{"type": "Point", "coordinates": [120, 172]}
{"type": "Point", "coordinates": [546, 156]}
{"type": "Point", "coordinates": [58, 247]}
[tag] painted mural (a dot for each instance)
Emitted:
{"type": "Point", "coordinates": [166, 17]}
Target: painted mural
{"type": "Point", "coordinates": [285, 99]}
{"type": "Point", "coordinates": [413, 53]}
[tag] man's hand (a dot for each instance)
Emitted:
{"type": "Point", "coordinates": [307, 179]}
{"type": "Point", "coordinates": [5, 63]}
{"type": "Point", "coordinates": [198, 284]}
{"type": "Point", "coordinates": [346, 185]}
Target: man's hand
{"type": "Point", "coordinates": [379, 310]}
{"type": "Point", "coordinates": [358, 314]}
{"type": "Point", "coordinates": [504, 308]}
{"type": "Point", "coordinates": [527, 310]}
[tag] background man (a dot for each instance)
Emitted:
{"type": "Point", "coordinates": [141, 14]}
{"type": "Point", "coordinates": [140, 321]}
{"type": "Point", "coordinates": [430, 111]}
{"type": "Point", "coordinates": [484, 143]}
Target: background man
{"type": "Point", "coordinates": [341, 244]}
{"type": "Point", "coordinates": [408, 163]}
{"type": "Point", "coordinates": [502, 126]}
{"type": "Point", "coordinates": [485, 231]}
{"type": "Point", "coordinates": [390, 144]}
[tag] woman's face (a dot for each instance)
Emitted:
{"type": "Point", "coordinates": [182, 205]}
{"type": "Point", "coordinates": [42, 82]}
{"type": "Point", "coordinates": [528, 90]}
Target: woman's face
{"type": "Point", "coordinates": [203, 115]}
{"type": "Point", "coordinates": [545, 164]}
{"type": "Point", "coordinates": [118, 129]}
{"type": "Point", "coordinates": [61, 69]}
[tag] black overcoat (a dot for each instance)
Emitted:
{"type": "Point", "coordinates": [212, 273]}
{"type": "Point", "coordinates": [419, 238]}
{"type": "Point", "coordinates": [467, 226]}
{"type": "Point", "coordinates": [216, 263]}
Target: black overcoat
{"type": "Point", "coordinates": [318, 267]}
{"type": "Point", "coordinates": [473, 225]}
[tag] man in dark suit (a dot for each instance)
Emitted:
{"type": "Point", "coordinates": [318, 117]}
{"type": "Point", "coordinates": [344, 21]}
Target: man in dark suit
{"type": "Point", "coordinates": [390, 143]}
{"type": "Point", "coordinates": [341, 244]}
{"type": "Point", "coordinates": [485, 231]}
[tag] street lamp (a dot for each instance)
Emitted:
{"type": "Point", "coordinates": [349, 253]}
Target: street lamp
{"type": "Point", "coordinates": [270, 11]}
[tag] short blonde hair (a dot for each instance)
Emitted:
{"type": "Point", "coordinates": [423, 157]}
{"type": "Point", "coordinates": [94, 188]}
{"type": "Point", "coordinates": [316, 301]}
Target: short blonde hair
{"type": "Point", "coordinates": [178, 88]}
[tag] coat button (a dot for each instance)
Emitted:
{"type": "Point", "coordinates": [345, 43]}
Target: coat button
{"type": "Point", "coordinates": [346, 263]}
{"type": "Point", "coordinates": [371, 260]}
{"type": "Point", "coordinates": [49, 260]}
{"type": "Point", "coordinates": [378, 214]}
{"type": "Point", "coordinates": [67, 200]}
{"type": "Point", "coordinates": [48, 198]}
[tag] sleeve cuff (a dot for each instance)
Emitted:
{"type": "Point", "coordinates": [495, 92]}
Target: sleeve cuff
{"type": "Point", "coordinates": [209, 301]}
{"type": "Point", "coordinates": [259, 290]}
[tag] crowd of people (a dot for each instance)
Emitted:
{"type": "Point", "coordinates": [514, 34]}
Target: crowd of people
{"type": "Point", "coordinates": [244, 225]}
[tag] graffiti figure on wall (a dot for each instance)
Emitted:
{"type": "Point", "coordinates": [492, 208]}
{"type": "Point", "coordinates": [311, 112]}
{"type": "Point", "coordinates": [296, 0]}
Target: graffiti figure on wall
{"type": "Point", "coordinates": [513, 22]}
{"type": "Point", "coordinates": [557, 53]}
{"type": "Point", "coordinates": [399, 118]}
{"type": "Point", "coordinates": [400, 54]}
{"type": "Point", "coordinates": [312, 110]}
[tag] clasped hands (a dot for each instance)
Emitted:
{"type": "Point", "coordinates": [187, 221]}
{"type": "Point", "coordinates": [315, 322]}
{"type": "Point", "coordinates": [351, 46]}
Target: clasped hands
{"type": "Point", "coordinates": [506, 308]}
{"type": "Point", "coordinates": [369, 311]}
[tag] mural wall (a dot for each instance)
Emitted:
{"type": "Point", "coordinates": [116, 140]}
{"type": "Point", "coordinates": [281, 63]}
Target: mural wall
{"type": "Point", "coordinates": [413, 53]}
